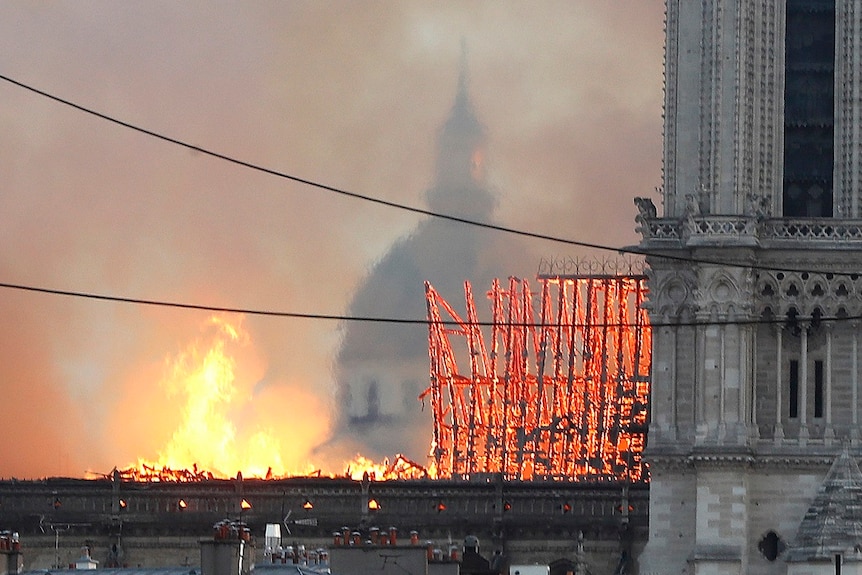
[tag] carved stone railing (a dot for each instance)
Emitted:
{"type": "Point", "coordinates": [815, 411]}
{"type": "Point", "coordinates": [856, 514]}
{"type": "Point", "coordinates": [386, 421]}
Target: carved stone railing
{"type": "Point", "coordinates": [749, 230]}
{"type": "Point", "coordinates": [664, 229]}
{"type": "Point", "coordinates": [720, 229]}
{"type": "Point", "coordinates": [829, 230]}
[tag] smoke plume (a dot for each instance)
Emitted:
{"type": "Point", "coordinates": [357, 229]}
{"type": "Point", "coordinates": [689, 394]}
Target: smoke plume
{"type": "Point", "coordinates": [569, 97]}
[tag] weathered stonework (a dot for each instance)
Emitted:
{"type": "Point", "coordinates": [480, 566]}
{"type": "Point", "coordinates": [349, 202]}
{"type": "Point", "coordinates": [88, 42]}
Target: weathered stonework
{"type": "Point", "coordinates": [756, 371]}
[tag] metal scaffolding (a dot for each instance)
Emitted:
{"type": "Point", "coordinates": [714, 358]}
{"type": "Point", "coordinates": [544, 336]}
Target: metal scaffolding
{"type": "Point", "coordinates": [555, 392]}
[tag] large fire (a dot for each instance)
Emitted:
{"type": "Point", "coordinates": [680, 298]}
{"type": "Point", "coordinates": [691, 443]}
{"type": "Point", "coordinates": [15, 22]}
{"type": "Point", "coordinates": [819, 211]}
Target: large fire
{"type": "Point", "coordinates": [202, 380]}
{"type": "Point", "coordinates": [219, 435]}
{"type": "Point", "coordinates": [560, 392]}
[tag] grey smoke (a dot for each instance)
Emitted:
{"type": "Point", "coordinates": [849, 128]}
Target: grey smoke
{"type": "Point", "coordinates": [382, 368]}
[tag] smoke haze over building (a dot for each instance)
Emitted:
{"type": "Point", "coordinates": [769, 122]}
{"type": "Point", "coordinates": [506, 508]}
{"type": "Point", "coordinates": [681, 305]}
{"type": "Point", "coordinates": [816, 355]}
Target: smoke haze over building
{"type": "Point", "coordinates": [380, 367]}
{"type": "Point", "coordinates": [569, 98]}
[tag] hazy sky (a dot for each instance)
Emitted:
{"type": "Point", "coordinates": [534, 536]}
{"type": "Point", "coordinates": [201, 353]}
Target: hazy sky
{"type": "Point", "coordinates": [350, 94]}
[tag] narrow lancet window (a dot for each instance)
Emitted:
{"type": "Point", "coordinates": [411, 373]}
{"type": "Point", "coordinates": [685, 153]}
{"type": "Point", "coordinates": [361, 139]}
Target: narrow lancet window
{"type": "Point", "coordinates": [809, 117]}
{"type": "Point", "coordinates": [818, 388]}
{"type": "Point", "coordinates": [793, 395]}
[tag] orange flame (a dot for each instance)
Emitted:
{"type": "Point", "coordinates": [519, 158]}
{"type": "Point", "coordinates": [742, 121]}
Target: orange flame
{"type": "Point", "coordinates": [401, 468]}
{"type": "Point", "coordinates": [209, 442]}
{"type": "Point", "coordinates": [205, 383]}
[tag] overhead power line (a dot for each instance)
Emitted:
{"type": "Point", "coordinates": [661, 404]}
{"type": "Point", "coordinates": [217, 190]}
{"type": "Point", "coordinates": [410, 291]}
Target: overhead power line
{"type": "Point", "coordinates": [391, 204]}
{"type": "Point", "coordinates": [400, 206]}
{"type": "Point", "coordinates": [392, 320]}
{"type": "Point", "coordinates": [305, 181]}
{"type": "Point", "coordinates": [199, 307]}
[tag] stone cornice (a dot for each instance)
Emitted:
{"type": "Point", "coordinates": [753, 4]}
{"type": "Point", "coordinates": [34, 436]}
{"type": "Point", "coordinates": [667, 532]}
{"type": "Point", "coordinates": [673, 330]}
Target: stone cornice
{"type": "Point", "coordinates": [721, 460]}
{"type": "Point", "coordinates": [701, 458]}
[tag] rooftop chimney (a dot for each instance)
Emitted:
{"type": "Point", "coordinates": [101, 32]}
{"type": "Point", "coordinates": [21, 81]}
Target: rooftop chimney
{"type": "Point", "coordinates": [229, 552]}
{"type": "Point", "coordinates": [11, 560]}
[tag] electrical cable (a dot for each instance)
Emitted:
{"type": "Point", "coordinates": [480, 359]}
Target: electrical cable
{"type": "Point", "coordinates": [396, 205]}
{"type": "Point", "coordinates": [305, 181]}
{"type": "Point", "coordinates": [391, 320]}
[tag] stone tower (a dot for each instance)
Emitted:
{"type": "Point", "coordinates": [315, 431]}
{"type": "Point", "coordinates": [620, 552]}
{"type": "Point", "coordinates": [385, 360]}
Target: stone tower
{"type": "Point", "coordinates": [755, 279]}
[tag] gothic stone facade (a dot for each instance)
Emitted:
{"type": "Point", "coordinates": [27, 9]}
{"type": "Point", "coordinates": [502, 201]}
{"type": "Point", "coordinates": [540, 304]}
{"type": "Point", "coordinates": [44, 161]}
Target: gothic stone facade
{"type": "Point", "coordinates": [755, 280]}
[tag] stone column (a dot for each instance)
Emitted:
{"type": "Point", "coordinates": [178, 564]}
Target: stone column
{"type": "Point", "coordinates": [723, 383]}
{"type": "Point", "coordinates": [829, 431]}
{"type": "Point", "coordinates": [854, 385]}
{"type": "Point", "coordinates": [748, 406]}
{"type": "Point", "coordinates": [803, 386]}
{"type": "Point", "coordinates": [778, 433]}
{"type": "Point", "coordinates": [701, 425]}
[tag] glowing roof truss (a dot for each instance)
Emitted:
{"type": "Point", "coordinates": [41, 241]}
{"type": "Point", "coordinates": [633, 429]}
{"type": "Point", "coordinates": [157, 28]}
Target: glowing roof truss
{"type": "Point", "coordinates": [556, 386]}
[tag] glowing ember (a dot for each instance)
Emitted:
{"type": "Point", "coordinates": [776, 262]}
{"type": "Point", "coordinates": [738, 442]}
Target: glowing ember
{"type": "Point", "coordinates": [401, 468]}
{"type": "Point", "coordinates": [359, 469]}
{"type": "Point", "coordinates": [557, 393]}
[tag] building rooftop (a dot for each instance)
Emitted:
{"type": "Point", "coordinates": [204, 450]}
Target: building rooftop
{"type": "Point", "coordinates": [833, 522]}
{"type": "Point", "coordinates": [260, 569]}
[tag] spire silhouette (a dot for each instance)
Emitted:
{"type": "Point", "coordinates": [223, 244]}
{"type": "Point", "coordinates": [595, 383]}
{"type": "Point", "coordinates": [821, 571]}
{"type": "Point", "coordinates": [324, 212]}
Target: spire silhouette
{"type": "Point", "coordinates": [382, 369]}
{"type": "Point", "coordinates": [460, 184]}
